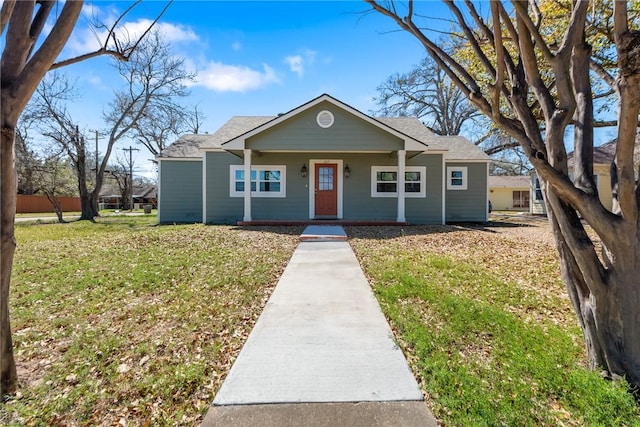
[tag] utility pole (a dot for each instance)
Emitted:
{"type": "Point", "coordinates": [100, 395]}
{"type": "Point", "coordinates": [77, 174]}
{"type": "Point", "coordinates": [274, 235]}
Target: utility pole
{"type": "Point", "coordinates": [130, 150]}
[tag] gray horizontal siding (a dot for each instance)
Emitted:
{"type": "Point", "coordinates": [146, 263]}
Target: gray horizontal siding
{"type": "Point", "coordinates": [221, 209]}
{"type": "Point", "coordinates": [295, 206]}
{"type": "Point", "coordinates": [348, 133]}
{"type": "Point", "coordinates": [358, 205]}
{"type": "Point", "coordinates": [180, 192]}
{"type": "Point", "coordinates": [429, 210]}
{"type": "Point", "coordinates": [468, 205]}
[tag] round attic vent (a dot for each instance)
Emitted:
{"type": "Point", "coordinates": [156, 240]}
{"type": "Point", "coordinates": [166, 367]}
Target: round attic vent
{"type": "Point", "coordinates": [325, 119]}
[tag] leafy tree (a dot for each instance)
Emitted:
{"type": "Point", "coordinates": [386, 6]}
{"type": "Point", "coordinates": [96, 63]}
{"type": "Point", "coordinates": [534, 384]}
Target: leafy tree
{"type": "Point", "coordinates": [34, 37]}
{"type": "Point", "coordinates": [533, 79]}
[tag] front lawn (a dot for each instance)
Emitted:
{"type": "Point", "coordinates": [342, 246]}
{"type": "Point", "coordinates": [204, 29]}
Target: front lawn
{"type": "Point", "coordinates": [486, 325]}
{"type": "Point", "coordinates": [125, 322]}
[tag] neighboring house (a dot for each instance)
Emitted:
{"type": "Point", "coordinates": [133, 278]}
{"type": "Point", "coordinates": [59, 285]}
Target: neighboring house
{"type": "Point", "coordinates": [322, 160]}
{"type": "Point", "coordinates": [508, 193]}
{"type": "Point", "coordinates": [110, 197]}
{"type": "Point", "coordinates": [603, 155]}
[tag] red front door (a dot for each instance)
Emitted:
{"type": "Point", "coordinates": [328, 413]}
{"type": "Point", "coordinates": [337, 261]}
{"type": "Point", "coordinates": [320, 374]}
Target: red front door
{"type": "Point", "coordinates": [326, 189]}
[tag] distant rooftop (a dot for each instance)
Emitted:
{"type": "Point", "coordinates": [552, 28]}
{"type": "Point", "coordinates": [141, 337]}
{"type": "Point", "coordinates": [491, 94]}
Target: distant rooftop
{"type": "Point", "coordinates": [505, 181]}
{"type": "Point", "coordinates": [605, 153]}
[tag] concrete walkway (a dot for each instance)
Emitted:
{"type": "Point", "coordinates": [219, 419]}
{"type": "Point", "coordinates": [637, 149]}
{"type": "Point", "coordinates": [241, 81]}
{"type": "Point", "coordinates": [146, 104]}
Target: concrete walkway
{"type": "Point", "coordinates": [321, 353]}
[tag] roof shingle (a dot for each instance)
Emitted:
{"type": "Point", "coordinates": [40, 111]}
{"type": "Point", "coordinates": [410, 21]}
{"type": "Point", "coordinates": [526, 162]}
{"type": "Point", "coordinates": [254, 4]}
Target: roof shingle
{"type": "Point", "coordinates": [457, 147]}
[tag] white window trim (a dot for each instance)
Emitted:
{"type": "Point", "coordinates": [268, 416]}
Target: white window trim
{"type": "Point", "coordinates": [423, 181]}
{"type": "Point", "coordinates": [257, 168]}
{"type": "Point", "coordinates": [462, 169]}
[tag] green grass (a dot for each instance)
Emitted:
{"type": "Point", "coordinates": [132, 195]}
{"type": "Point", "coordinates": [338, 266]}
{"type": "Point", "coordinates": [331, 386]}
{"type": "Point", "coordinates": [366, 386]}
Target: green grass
{"type": "Point", "coordinates": [123, 321]}
{"type": "Point", "coordinates": [481, 356]}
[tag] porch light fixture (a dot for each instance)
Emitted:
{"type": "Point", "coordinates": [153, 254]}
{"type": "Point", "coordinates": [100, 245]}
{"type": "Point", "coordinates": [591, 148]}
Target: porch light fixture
{"type": "Point", "coordinates": [303, 170]}
{"type": "Point", "coordinates": [347, 171]}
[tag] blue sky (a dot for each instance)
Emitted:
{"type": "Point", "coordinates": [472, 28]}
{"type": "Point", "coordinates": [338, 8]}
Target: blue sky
{"type": "Point", "coordinates": [254, 58]}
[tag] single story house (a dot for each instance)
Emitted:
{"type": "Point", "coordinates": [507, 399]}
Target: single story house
{"type": "Point", "coordinates": [111, 198]}
{"type": "Point", "coordinates": [323, 160]}
{"type": "Point", "coordinates": [509, 193]}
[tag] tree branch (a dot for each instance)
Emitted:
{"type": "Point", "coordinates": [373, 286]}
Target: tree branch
{"type": "Point", "coordinates": [602, 72]}
{"type": "Point", "coordinates": [471, 38]}
{"type": "Point", "coordinates": [39, 21]}
{"type": "Point", "coordinates": [500, 58]}
{"type": "Point", "coordinates": [532, 73]}
{"type": "Point", "coordinates": [25, 84]}
{"type": "Point", "coordinates": [523, 16]}
{"type": "Point", "coordinates": [121, 52]}
{"type": "Point", "coordinates": [5, 13]}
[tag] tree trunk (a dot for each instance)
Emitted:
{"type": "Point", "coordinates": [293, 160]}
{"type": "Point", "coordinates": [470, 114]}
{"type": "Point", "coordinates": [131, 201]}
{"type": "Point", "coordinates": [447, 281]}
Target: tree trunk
{"type": "Point", "coordinates": [8, 375]}
{"type": "Point", "coordinates": [88, 206]}
{"type": "Point", "coordinates": [88, 199]}
{"type": "Point", "coordinates": [57, 206]}
{"type": "Point", "coordinates": [606, 304]}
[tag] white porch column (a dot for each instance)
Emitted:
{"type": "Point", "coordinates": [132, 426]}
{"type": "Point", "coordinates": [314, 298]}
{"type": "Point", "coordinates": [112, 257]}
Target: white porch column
{"type": "Point", "coordinates": [402, 160]}
{"type": "Point", "coordinates": [247, 185]}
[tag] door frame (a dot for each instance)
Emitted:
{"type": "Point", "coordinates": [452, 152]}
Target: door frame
{"type": "Point", "coordinates": [312, 184]}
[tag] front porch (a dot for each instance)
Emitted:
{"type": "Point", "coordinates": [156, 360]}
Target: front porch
{"type": "Point", "coordinates": [320, 222]}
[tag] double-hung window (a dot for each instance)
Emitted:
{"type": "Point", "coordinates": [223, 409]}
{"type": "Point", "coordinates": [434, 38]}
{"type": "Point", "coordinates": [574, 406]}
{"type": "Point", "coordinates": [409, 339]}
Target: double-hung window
{"type": "Point", "coordinates": [456, 178]}
{"type": "Point", "coordinates": [266, 181]}
{"type": "Point", "coordinates": [384, 181]}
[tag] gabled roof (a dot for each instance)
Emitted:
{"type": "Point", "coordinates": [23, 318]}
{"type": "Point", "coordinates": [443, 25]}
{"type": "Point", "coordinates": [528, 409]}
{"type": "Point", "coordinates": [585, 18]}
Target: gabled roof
{"type": "Point", "coordinates": [410, 129]}
{"type": "Point", "coordinates": [238, 142]}
{"type": "Point", "coordinates": [504, 181]}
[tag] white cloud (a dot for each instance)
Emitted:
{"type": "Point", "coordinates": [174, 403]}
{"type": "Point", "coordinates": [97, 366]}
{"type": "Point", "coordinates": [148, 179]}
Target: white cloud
{"type": "Point", "coordinates": [236, 46]}
{"type": "Point", "coordinates": [234, 78]}
{"type": "Point", "coordinates": [85, 40]}
{"type": "Point", "coordinates": [295, 64]}
{"type": "Point", "coordinates": [298, 63]}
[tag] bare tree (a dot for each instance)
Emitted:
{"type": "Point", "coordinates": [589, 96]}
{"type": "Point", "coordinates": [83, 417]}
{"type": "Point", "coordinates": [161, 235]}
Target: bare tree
{"type": "Point", "coordinates": [29, 52]}
{"type": "Point", "coordinates": [159, 126]}
{"type": "Point", "coordinates": [526, 76]}
{"type": "Point", "coordinates": [195, 120]}
{"type": "Point", "coordinates": [145, 108]}
{"type": "Point", "coordinates": [119, 171]}
{"type": "Point", "coordinates": [148, 106]}
{"type": "Point", "coordinates": [55, 122]}
{"type": "Point", "coordinates": [427, 93]}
